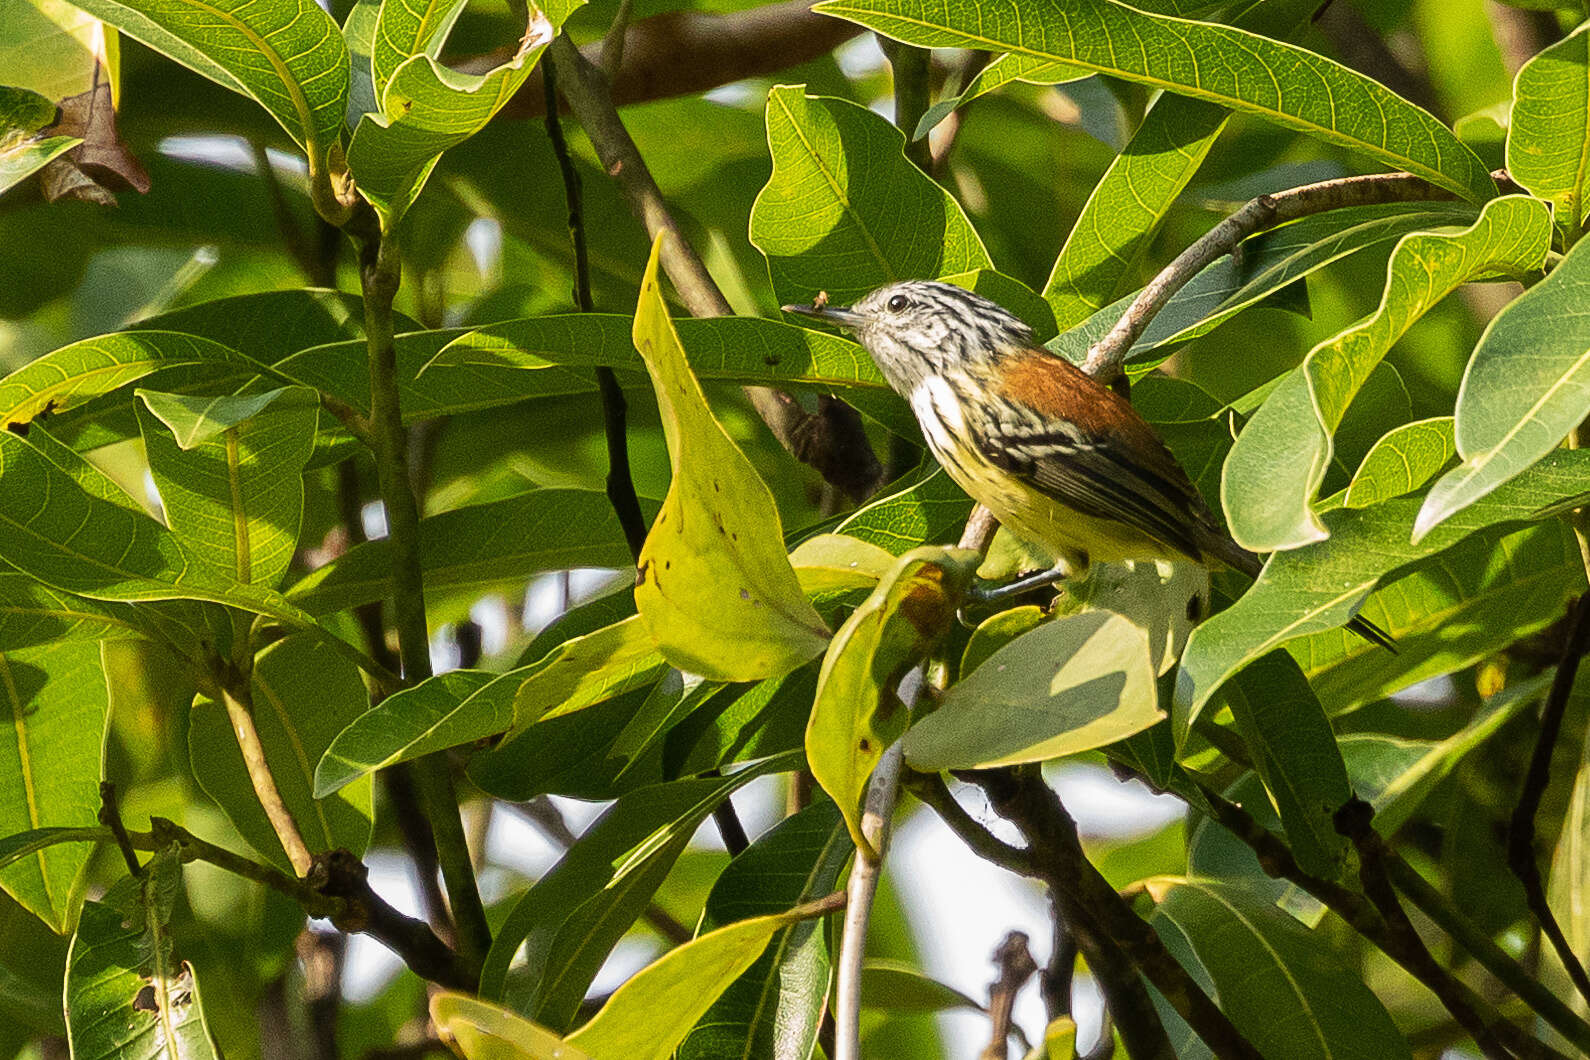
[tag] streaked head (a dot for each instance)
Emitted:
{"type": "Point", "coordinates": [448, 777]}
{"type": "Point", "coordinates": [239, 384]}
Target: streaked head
{"type": "Point", "coordinates": [919, 328]}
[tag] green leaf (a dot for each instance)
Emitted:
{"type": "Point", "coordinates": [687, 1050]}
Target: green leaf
{"type": "Point", "coordinates": [87, 475]}
{"type": "Point", "coordinates": [287, 55]}
{"type": "Point", "coordinates": [1295, 754]}
{"type": "Point", "coordinates": [127, 995]}
{"type": "Point", "coordinates": [13, 848]}
{"type": "Point", "coordinates": [1267, 264]}
{"type": "Point", "coordinates": [1443, 615]}
{"type": "Point", "coordinates": [465, 705]}
{"type": "Point", "coordinates": [774, 1008]}
{"type": "Point", "coordinates": [715, 588]}
{"type": "Point", "coordinates": [481, 1030]}
{"type": "Point", "coordinates": [1002, 71]}
{"type": "Point", "coordinates": [468, 550]}
{"type": "Point", "coordinates": [858, 712]}
{"type": "Point", "coordinates": [550, 355]}
{"type": "Point", "coordinates": [55, 702]}
{"type": "Point", "coordinates": [406, 28]}
{"type": "Point", "coordinates": [230, 474]}
{"type": "Point", "coordinates": [844, 211]}
{"type": "Point", "coordinates": [1281, 456]}
{"type": "Point", "coordinates": [1403, 460]}
{"type": "Point", "coordinates": [1396, 775]}
{"type": "Point", "coordinates": [427, 107]}
{"type": "Point", "coordinates": [73, 541]}
{"type": "Point", "coordinates": [1526, 387]}
{"type": "Point", "coordinates": [1319, 587]}
{"type": "Point", "coordinates": [75, 374]}
{"type": "Point", "coordinates": [32, 614]}
{"type": "Point", "coordinates": [1548, 149]}
{"type": "Point", "coordinates": [24, 150]}
{"type": "Point", "coordinates": [1284, 84]}
{"type": "Point", "coordinates": [655, 1008]}
{"type": "Point", "coordinates": [1282, 985]}
{"type": "Point", "coordinates": [897, 987]}
{"type": "Point", "coordinates": [304, 694]}
{"type": "Point", "coordinates": [570, 920]}
{"type": "Point", "coordinates": [930, 511]}
{"type": "Point", "coordinates": [1070, 685]}
{"type": "Point", "coordinates": [835, 562]}
{"type": "Point", "coordinates": [1132, 198]}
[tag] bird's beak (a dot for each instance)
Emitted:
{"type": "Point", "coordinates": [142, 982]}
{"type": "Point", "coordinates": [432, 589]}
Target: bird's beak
{"type": "Point", "coordinates": [828, 314]}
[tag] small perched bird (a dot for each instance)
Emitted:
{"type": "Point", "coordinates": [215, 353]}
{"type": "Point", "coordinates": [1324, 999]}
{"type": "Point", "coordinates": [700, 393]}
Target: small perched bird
{"type": "Point", "coordinates": [1060, 459]}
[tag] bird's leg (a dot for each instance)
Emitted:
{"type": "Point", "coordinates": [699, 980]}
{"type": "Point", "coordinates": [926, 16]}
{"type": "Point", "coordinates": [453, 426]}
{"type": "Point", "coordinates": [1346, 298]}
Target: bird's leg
{"type": "Point", "coordinates": [1067, 566]}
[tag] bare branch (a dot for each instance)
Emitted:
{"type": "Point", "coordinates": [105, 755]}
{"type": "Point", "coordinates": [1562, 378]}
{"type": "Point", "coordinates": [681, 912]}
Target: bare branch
{"type": "Point", "coordinates": [1106, 356]}
{"type": "Point", "coordinates": [683, 52]}
{"type": "Point", "coordinates": [832, 440]}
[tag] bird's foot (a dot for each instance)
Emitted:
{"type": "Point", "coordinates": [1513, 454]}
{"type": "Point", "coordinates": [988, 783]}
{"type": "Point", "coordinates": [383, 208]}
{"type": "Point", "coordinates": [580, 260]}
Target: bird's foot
{"type": "Point", "coordinates": [988, 592]}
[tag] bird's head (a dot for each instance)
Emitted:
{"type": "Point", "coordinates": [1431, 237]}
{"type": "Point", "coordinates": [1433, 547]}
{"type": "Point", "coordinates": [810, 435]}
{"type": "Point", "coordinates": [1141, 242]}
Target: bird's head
{"type": "Point", "coordinates": [921, 328]}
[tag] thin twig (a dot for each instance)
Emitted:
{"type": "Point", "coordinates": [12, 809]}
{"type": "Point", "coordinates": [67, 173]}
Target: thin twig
{"type": "Point", "coordinates": [240, 711]}
{"type": "Point", "coordinates": [1490, 956]}
{"type": "Point", "coordinates": [620, 482]}
{"type": "Point", "coordinates": [380, 272]}
{"type": "Point", "coordinates": [1016, 966]}
{"type": "Point", "coordinates": [110, 817]}
{"type": "Point", "coordinates": [613, 41]}
{"type": "Point", "coordinates": [1116, 942]}
{"type": "Point", "coordinates": [1363, 916]}
{"type": "Point", "coordinates": [1521, 829]}
{"type": "Point", "coordinates": [833, 441]}
{"type": "Point", "coordinates": [1355, 821]}
{"type": "Point", "coordinates": [1106, 356]}
{"type": "Point", "coordinates": [735, 841]}
{"type": "Point", "coordinates": [396, 780]}
{"type": "Point", "coordinates": [337, 889]}
{"type": "Point", "coordinates": [861, 889]}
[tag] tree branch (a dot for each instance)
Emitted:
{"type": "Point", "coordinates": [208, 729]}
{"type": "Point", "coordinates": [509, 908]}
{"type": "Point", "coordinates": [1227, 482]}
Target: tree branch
{"type": "Point", "coordinates": [684, 52]}
{"type": "Point", "coordinates": [832, 440]}
{"type": "Point", "coordinates": [860, 891]}
{"type": "Point", "coordinates": [1364, 917]}
{"type": "Point", "coordinates": [1106, 356]}
{"type": "Point", "coordinates": [1521, 828]}
{"type": "Point", "coordinates": [380, 272]}
{"type": "Point", "coordinates": [1116, 942]}
{"type": "Point", "coordinates": [620, 483]}
{"type": "Point", "coordinates": [240, 711]}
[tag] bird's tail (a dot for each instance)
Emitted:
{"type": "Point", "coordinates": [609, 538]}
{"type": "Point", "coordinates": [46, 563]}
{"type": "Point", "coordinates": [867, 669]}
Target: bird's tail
{"type": "Point", "coordinates": [1221, 547]}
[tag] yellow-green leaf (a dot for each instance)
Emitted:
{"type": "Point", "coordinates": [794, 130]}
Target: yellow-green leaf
{"type": "Point", "coordinates": [715, 587]}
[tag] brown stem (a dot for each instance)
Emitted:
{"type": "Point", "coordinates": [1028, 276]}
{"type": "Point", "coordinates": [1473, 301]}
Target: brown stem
{"type": "Point", "coordinates": [1016, 966]}
{"type": "Point", "coordinates": [240, 711]}
{"type": "Point", "coordinates": [1117, 943]}
{"type": "Point", "coordinates": [684, 52]}
{"type": "Point", "coordinates": [832, 440]}
{"type": "Point", "coordinates": [1355, 820]}
{"type": "Point", "coordinates": [1364, 916]}
{"type": "Point", "coordinates": [1521, 829]}
{"type": "Point", "coordinates": [1106, 356]}
{"type": "Point", "coordinates": [110, 817]}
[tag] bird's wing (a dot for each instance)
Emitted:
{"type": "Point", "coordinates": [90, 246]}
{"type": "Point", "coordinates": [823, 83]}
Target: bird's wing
{"type": "Point", "coordinates": [1084, 445]}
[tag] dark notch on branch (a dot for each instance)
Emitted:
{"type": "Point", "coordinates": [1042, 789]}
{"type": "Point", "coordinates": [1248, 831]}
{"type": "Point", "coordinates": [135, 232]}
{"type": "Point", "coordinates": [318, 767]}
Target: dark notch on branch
{"type": "Point", "coordinates": [831, 440]}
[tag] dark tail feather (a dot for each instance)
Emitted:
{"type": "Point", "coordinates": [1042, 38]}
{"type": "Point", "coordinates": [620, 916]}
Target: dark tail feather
{"type": "Point", "coordinates": [1373, 634]}
{"type": "Point", "coordinates": [1238, 558]}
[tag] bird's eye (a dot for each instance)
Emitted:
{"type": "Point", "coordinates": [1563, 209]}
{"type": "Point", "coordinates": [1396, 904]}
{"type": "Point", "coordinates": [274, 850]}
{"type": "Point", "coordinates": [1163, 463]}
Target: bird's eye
{"type": "Point", "coordinates": [898, 303]}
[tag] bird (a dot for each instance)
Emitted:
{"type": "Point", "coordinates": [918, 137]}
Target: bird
{"type": "Point", "coordinates": [1060, 459]}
